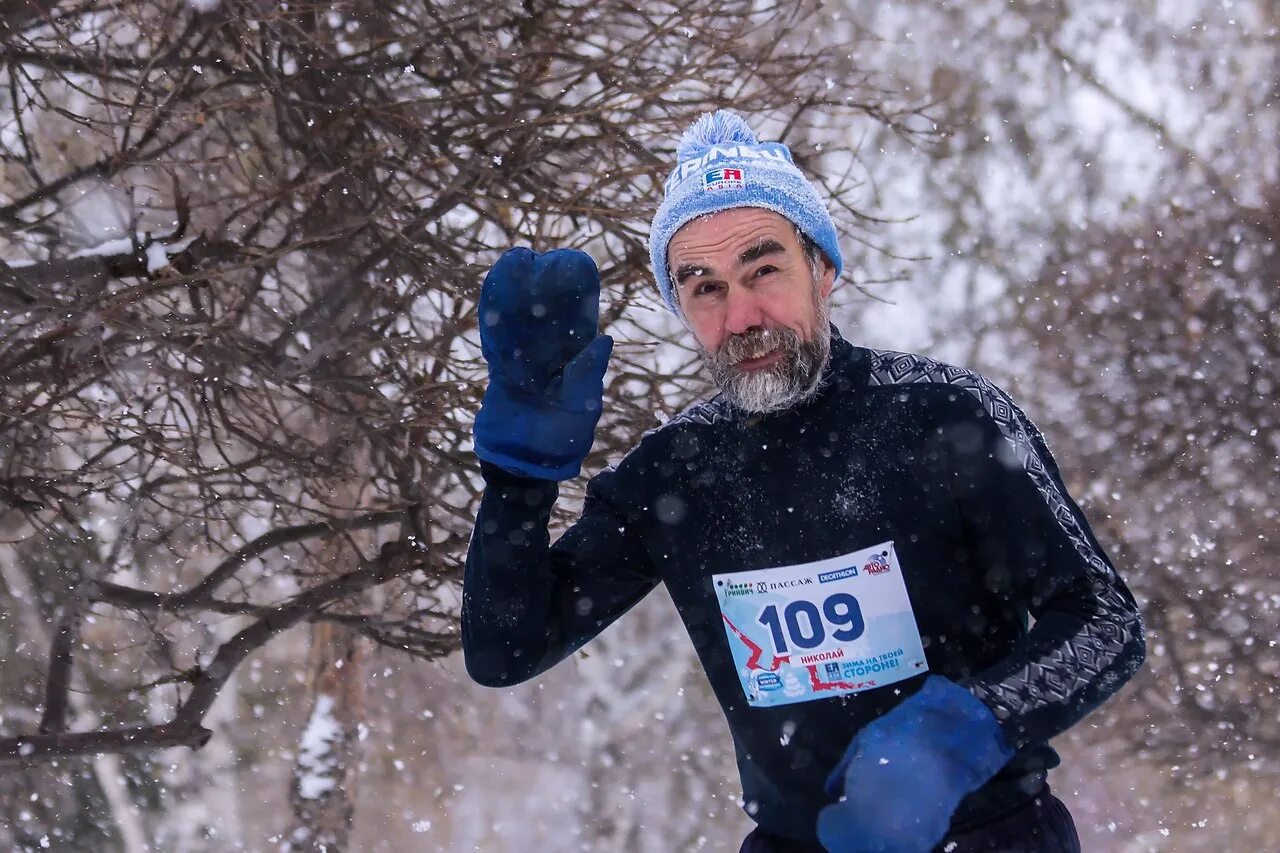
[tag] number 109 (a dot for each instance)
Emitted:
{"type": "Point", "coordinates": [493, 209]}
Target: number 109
{"type": "Point", "coordinates": [801, 623]}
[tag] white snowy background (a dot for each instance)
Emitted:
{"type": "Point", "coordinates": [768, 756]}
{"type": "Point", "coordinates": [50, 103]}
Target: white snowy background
{"type": "Point", "coordinates": [1067, 146]}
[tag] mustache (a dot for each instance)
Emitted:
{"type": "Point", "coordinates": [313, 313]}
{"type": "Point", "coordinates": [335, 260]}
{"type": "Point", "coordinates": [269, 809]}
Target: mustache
{"type": "Point", "coordinates": [757, 342]}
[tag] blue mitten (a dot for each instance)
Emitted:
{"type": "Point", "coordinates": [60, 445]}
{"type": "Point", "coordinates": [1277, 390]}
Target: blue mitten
{"type": "Point", "coordinates": [904, 774]}
{"type": "Point", "coordinates": [538, 316]}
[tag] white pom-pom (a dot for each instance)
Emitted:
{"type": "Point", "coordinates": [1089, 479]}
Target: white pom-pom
{"type": "Point", "coordinates": [719, 128]}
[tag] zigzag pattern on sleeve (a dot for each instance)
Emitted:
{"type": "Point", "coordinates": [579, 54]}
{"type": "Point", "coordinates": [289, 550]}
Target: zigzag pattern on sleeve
{"type": "Point", "coordinates": [1092, 661]}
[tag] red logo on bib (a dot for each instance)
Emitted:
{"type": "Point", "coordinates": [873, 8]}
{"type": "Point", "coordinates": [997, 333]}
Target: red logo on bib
{"type": "Point", "coordinates": [877, 565]}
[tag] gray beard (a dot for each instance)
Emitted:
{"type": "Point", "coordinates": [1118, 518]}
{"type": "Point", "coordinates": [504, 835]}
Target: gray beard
{"type": "Point", "coordinates": [793, 379]}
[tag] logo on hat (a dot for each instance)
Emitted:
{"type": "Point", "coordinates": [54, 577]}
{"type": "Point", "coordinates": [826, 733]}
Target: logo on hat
{"type": "Point", "coordinates": [723, 179]}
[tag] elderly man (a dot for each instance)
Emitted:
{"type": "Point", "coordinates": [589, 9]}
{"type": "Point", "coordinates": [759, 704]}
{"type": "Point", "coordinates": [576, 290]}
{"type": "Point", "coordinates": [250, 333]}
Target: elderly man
{"type": "Point", "coordinates": [893, 596]}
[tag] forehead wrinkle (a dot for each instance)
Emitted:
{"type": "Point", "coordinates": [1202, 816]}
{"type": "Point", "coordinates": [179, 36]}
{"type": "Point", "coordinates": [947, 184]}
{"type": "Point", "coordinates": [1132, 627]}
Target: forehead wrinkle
{"type": "Point", "coordinates": [686, 254]}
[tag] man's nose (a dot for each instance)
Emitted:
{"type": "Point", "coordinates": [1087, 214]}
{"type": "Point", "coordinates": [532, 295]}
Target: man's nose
{"type": "Point", "coordinates": [742, 311]}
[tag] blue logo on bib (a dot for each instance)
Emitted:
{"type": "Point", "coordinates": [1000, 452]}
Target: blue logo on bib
{"type": "Point", "coordinates": [767, 681]}
{"type": "Point", "coordinates": [838, 575]}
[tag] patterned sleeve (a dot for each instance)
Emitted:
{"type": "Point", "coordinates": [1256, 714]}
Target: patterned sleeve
{"type": "Point", "coordinates": [1033, 540]}
{"type": "Point", "coordinates": [1087, 639]}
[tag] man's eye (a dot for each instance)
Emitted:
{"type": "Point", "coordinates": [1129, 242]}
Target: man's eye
{"type": "Point", "coordinates": [704, 288]}
{"type": "Point", "coordinates": [765, 270]}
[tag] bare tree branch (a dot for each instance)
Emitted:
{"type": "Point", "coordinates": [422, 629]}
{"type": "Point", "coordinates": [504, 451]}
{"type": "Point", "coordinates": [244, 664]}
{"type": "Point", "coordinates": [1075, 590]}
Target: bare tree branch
{"type": "Point", "coordinates": [238, 286]}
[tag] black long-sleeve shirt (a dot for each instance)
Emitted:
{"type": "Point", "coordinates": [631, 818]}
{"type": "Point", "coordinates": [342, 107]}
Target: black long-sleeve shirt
{"type": "Point", "coordinates": [893, 447]}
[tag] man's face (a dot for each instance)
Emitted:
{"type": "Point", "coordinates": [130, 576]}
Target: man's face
{"type": "Point", "coordinates": [754, 304]}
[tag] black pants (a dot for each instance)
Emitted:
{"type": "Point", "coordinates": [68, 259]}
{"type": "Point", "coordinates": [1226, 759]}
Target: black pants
{"type": "Point", "coordinates": [1043, 825]}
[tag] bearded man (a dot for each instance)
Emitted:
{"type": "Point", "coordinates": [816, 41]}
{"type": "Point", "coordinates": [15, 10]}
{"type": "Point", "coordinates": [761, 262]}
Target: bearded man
{"type": "Point", "coordinates": [893, 596]}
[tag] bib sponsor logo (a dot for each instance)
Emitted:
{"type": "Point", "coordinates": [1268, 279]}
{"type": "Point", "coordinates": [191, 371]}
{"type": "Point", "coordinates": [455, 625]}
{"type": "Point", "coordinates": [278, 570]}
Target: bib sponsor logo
{"type": "Point", "coordinates": [877, 565]}
{"type": "Point", "coordinates": [768, 681]}
{"type": "Point", "coordinates": [838, 575]}
{"type": "Point", "coordinates": [733, 589]}
{"type": "Point", "coordinates": [791, 584]}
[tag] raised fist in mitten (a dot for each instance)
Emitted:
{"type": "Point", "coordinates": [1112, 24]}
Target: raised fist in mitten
{"type": "Point", "coordinates": [538, 316]}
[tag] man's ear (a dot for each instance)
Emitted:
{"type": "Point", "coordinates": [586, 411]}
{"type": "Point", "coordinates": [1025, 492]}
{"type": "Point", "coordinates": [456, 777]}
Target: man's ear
{"type": "Point", "coordinates": [828, 277]}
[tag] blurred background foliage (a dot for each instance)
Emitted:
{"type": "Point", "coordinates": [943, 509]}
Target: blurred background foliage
{"type": "Point", "coordinates": [240, 246]}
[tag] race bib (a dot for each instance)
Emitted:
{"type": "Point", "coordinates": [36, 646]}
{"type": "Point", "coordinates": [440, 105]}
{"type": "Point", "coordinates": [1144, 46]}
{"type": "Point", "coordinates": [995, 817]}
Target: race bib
{"type": "Point", "coordinates": [822, 629]}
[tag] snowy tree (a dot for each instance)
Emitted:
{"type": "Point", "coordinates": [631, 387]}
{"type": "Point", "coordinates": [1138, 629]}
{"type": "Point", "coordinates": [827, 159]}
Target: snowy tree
{"type": "Point", "coordinates": [1097, 227]}
{"type": "Point", "coordinates": [241, 246]}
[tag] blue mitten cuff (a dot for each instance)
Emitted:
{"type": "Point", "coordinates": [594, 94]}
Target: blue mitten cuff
{"type": "Point", "coordinates": [544, 434]}
{"type": "Point", "coordinates": [904, 774]}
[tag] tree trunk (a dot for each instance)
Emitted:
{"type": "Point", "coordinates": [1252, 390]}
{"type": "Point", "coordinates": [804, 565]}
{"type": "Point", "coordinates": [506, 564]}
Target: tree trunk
{"type": "Point", "coordinates": [107, 768]}
{"type": "Point", "coordinates": [325, 772]}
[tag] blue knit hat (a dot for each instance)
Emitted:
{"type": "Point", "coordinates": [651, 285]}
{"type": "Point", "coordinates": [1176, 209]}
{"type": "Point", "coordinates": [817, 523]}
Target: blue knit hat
{"type": "Point", "coordinates": [720, 165]}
